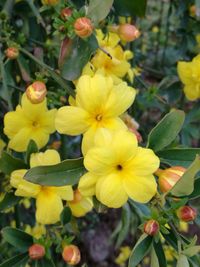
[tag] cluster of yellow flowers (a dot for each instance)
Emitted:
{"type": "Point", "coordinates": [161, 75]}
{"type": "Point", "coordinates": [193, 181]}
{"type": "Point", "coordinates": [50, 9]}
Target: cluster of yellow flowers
{"type": "Point", "coordinates": [117, 167]}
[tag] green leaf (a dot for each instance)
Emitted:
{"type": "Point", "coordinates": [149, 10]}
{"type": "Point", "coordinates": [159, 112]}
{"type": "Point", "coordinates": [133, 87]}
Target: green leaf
{"type": "Point", "coordinates": [154, 258]}
{"type": "Point", "coordinates": [185, 184]}
{"type": "Point", "coordinates": [171, 239]}
{"type": "Point", "coordinates": [191, 251]}
{"type": "Point", "coordinates": [160, 253]}
{"type": "Point", "coordinates": [182, 261]}
{"type": "Point", "coordinates": [67, 172]}
{"type": "Point", "coordinates": [76, 59]}
{"type": "Point", "coordinates": [65, 216]}
{"type": "Point", "coordinates": [98, 9]}
{"type": "Point", "coordinates": [130, 8]}
{"type": "Point", "coordinates": [180, 156]}
{"type": "Point", "coordinates": [9, 201]}
{"type": "Point", "coordinates": [16, 261]}
{"type": "Point", "coordinates": [32, 148]}
{"type": "Point", "coordinates": [196, 193]}
{"type": "Point", "coordinates": [166, 130]}
{"type": "Point", "coordinates": [141, 248]}
{"type": "Point", "coordinates": [125, 224]}
{"type": "Point", "coordinates": [17, 238]}
{"type": "Point", "coordinates": [45, 263]}
{"type": "Point", "coordinates": [8, 163]}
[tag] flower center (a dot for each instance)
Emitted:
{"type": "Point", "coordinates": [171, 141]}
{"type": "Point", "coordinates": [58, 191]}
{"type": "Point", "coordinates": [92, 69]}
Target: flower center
{"type": "Point", "coordinates": [119, 167]}
{"type": "Point", "coordinates": [35, 124]}
{"type": "Point", "coordinates": [98, 117]}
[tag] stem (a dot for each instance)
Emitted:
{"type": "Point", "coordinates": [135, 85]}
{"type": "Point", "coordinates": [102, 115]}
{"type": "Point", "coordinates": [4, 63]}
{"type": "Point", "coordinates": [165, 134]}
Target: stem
{"type": "Point", "coordinates": [53, 74]}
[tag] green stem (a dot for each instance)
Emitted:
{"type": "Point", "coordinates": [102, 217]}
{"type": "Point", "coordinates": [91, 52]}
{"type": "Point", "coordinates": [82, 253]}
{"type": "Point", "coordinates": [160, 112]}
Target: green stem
{"type": "Point", "coordinates": [53, 74]}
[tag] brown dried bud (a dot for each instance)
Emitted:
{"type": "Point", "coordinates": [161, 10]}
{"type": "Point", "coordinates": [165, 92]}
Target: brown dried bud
{"type": "Point", "coordinates": [83, 27]}
{"type": "Point", "coordinates": [128, 32]}
{"type": "Point", "coordinates": [71, 254]}
{"type": "Point", "coordinates": [151, 227]}
{"type": "Point", "coordinates": [36, 92]}
{"type": "Point", "coordinates": [36, 251]}
{"type": "Point", "coordinates": [187, 213]}
{"type": "Point", "coordinates": [12, 52]}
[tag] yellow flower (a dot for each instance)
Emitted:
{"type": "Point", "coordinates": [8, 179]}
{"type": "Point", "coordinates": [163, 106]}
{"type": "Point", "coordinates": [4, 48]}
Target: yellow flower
{"type": "Point", "coordinates": [123, 256]}
{"type": "Point", "coordinates": [37, 231]}
{"type": "Point", "coordinates": [119, 169]}
{"type": "Point", "coordinates": [29, 121]}
{"type": "Point", "coordinates": [80, 205]}
{"type": "Point", "coordinates": [98, 104]}
{"type": "Point", "coordinates": [189, 73]}
{"type": "Point", "coordinates": [111, 59]}
{"type": "Point", "coordinates": [48, 198]}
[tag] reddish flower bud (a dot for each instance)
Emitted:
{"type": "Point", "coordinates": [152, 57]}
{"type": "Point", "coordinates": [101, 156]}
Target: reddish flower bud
{"type": "Point", "coordinates": [36, 92]}
{"type": "Point", "coordinates": [169, 177]}
{"type": "Point", "coordinates": [83, 27]}
{"type": "Point", "coordinates": [71, 255]}
{"type": "Point", "coordinates": [66, 13]}
{"type": "Point", "coordinates": [128, 32]}
{"type": "Point", "coordinates": [151, 227]}
{"type": "Point", "coordinates": [187, 213]}
{"type": "Point", "coordinates": [77, 197]}
{"type": "Point", "coordinates": [36, 251]}
{"type": "Point", "coordinates": [12, 52]}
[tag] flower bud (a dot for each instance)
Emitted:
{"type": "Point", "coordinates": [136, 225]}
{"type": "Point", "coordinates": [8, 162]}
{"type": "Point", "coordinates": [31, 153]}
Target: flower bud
{"type": "Point", "coordinates": [71, 254]}
{"type": "Point", "coordinates": [128, 32]}
{"type": "Point", "coordinates": [169, 177]}
{"type": "Point", "coordinates": [50, 2]}
{"type": "Point", "coordinates": [151, 227]}
{"type": "Point", "coordinates": [36, 252]}
{"type": "Point", "coordinates": [12, 52]}
{"type": "Point", "coordinates": [66, 13]}
{"type": "Point", "coordinates": [36, 92]}
{"type": "Point", "coordinates": [187, 213]}
{"type": "Point", "coordinates": [83, 27]}
{"type": "Point", "coordinates": [77, 197]}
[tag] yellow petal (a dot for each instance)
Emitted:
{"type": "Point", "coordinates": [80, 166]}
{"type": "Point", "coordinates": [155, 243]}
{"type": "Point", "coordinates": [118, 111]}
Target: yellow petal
{"type": "Point", "coordinates": [120, 99]}
{"type": "Point", "coordinates": [40, 136]}
{"type": "Point", "coordinates": [20, 141]}
{"type": "Point", "coordinates": [64, 192]}
{"type": "Point", "coordinates": [140, 189]}
{"type": "Point", "coordinates": [27, 189]}
{"type": "Point", "coordinates": [88, 139]}
{"type": "Point", "coordinates": [184, 71]}
{"type": "Point", "coordinates": [49, 157]}
{"type": "Point", "coordinates": [87, 184]}
{"type": "Point", "coordinates": [192, 91]}
{"type": "Point", "coordinates": [144, 163]}
{"type": "Point", "coordinates": [81, 208]}
{"type": "Point", "coordinates": [17, 177]}
{"type": "Point", "coordinates": [110, 191]}
{"type": "Point", "coordinates": [72, 120]}
{"type": "Point", "coordinates": [92, 92]}
{"type": "Point", "coordinates": [48, 207]}
{"type": "Point", "coordinates": [47, 121]}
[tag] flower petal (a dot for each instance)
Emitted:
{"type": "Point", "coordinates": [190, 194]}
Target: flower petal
{"type": "Point", "coordinates": [140, 189]}
{"type": "Point", "coordinates": [17, 177]}
{"type": "Point", "coordinates": [48, 207]}
{"type": "Point", "coordinates": [87, 184]}
{"type": "Point", "coordinates": [110, 191]}
{"type": "Point", "coordinates": [27, 189]}
{"type": "Point", "coordinates": [65, 192]}
{"type": "Point", "coordinates": [81, 208]}
{"type": "Point", "coordinates": [20, 141]}
{"type": "Point", "coordinates": [88, 139]}
{"type": "Point", "coordinates": [49, 157]}
{"type": "Point", "coordinates": [72, 120]}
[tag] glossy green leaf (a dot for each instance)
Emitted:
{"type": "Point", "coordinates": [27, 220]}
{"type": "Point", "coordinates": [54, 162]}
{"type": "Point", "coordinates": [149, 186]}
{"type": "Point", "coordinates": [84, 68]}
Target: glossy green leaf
{"type": "Point", "coordinates": [191, 251]}
{"type": "Point", "coordinates": [17, 238]}
{"type": "Point", "coordinates": [32, 148]}
{"type": "Point", "coordinates": [9, 201]}
{"type": "Point", "coordinates": [67, 172]}
{"type": "Point", "coordinates": [8, 163]}
{"type": "Point", "coordinates": [154, 258]}
{"type": "Point", "coordinates": [78, 55]}
{"type": "Point", "coordinates": [65, 216]}
{"type": "Point", "coordinates": [98, 10]}
{"type": "Point", "coordinates": [140, 250]}
{"type": "Point", "coordinates": [185, 184]}
{"type": "Point", "coordinates": [160, 253]}
{"type": "Point", "coordinates": [166, 130]}
{"type": "Point", "coordinates": [125, 224]}
{"type": "Point", "coordinates": [16, 261]}
{"type": "Point", "coordinates": [196, 193]}
{"type": "Point", "coordinates": [130, 8]}
{"type": "Point", "coordinates": [171, 239]}
{"type": "Point", "coordinates": [182, 261]}
{"type": "Point", "coordinates": [179, 156]}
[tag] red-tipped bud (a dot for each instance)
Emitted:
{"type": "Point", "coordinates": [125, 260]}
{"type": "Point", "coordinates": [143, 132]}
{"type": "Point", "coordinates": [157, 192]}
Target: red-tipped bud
{"type": "Point", "coordinates": [83, 27]}
{"type": "Point", "coordinates": [71, 254]}
{"type": "Point", "coordinates": [169, 177]}
{"type": "Point", "coordinates": [151, 227]}
{"type": "Point", "coordinates": [12, 52]}
{"type": "Point", "coordinates": [128, 32]}
{"type": "Point", "coordinates": [36, 252]}
{"type": "Point", "coordinates": [187, 213]}
{"type": "Point", "coordinates": [77, 197]}
{"type": "Point", "coordinates": [66, 13]}
{"type": "Point", "coordinates": [36, 92]}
